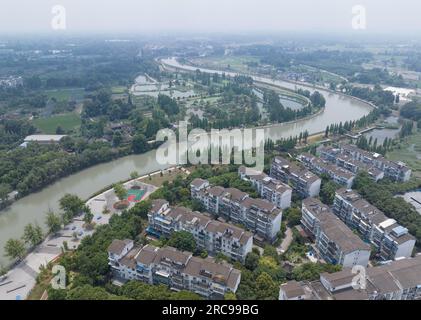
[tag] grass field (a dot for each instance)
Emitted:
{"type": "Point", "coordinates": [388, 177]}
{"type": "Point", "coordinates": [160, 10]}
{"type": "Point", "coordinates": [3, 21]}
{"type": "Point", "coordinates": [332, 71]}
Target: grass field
{"type": "Point", "coordinates": [66, 121]}
{"type": "Point", "coordinates": [409, 152]}
{"type": "Point", "coordinates": [237, 63]}
{"type": "Point", "coordinates": [118, 89]}
{"type": "Point", "coordinates": [65, 94]}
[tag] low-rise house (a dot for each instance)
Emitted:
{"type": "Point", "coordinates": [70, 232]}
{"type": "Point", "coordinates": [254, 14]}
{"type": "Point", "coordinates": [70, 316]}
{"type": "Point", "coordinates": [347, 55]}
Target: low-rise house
{"type": "Point", "coordinates": [210, 235]}
{"type": "Point", "coordinates": [292, 290]}
{"type": "Point", "coordinates": [397, 280]}
{"type": "Point", "coordinates": [391, 240]}
{"type": "Point", "coordinates": [258, 215]}
{"type": "Point", "coordinates": [176, 269]}
{"type": "Point", "coordinates": [44, 138]}
{"type": "Point", "coordinates": [334, 241]}
{"type": "Point", "coordinates": [268, 188]}
{"type": "Point", "coordinates": [302, 181]}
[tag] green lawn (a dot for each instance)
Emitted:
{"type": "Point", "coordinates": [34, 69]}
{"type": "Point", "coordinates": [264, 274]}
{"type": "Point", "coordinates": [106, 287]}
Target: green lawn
{"type": "Point", "coordinates": [118, 89]}
{"type": "Point", "coordinates": [65, 94]}
{"type": "Point", "coordinates": [237, 63]}
{"type": "Point", "coordinates": [49, 125]}
{"type": "Point", "coordinates": [409, 152]}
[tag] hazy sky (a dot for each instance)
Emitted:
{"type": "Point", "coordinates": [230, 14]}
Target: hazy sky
{"type": "Point", "coordinates": [383, 16]}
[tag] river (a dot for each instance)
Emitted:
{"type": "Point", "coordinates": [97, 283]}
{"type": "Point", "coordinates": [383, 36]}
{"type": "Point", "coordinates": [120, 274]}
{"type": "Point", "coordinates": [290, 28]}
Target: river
{"type": "Point", "coordinates": [33, 208]}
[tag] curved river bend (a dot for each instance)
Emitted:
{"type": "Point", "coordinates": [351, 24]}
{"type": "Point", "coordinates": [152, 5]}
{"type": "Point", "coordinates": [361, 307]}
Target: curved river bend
{"type": "Point", "coordinates": [32, 208]}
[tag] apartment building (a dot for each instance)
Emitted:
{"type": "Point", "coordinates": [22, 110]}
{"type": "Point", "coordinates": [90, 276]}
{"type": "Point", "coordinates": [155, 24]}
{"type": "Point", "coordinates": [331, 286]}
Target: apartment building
{"type": "Point", "coordinates": [176, 269]}
{"type": "Point", "coordinates": [338, 174]}
{"type": "Point", "coordinates": [334, 241]}
{"type": "Point", "coordinates": [391, 240]}
{"type": "Point", "coordinates": [302, 181]}
{"type": "Point", "coordinates": [397, 280]}
{"type": "Point", "coordinates": [268, 188]}
{"type": "Point", "coordinates": [354, 158]}
{"type": "Point", "coordinates": [210, 235]}
{"type": "Point", "coordinates": [258, 215]}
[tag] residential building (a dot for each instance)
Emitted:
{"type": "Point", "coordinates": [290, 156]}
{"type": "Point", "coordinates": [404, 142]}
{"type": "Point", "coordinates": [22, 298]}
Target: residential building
{"type": "Point", "coordinates": [354, 158]}
{"type": "Point", "coordinates": [338, 174]}
{"type": "Point", "coordinates": [268, 188]}
{"type": "Point", "coordinates": [210, 235]}
{"type": "Point", "coordinates": [258, 215]}
{"type": "Point", "coordinates": [334, 241]}
{"type": "Point", "coordinates": [391, 240]}
{"type": "Point", "coordinates": [396, 280]}
{"type": "Point", "coordinates": [302, 181]}
{"type": "Point", "coordinates": [176, 269]}
{"type": "Point", "coordinates": [292, 290]}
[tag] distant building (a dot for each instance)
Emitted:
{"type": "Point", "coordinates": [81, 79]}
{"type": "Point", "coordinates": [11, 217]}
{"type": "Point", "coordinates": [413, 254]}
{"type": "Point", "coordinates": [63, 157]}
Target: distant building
{"type": "Point", "coordinates": [354, 159]}
{"type": "Point", "coordinates": [176, 269]}
{"type": "Point", "coordinates": [391, 240]}
{"type": "Point", "coordinates": [258, 215]}
{"type": "Point", "coordinates": [397, 280]}
{"type": "Point", "coordinates": [334, 241]}
{"type": "Point", "coordinates": [44, 138]}
{"type": "Point", "coordinates": [268, 188]}
{"type": "Point", "coordinates": [302, 181]}
{"type": "Point", "coordinates": [210, 235]}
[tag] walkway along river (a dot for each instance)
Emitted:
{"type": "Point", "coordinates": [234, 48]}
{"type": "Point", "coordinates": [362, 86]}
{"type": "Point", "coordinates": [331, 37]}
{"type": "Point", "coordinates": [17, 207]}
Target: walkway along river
{"type": "Point", "coordinates": [33, 208]}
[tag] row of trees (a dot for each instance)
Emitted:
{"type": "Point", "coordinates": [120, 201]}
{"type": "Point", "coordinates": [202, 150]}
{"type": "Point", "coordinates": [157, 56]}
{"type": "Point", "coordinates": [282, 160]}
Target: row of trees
{"type": "Point", "coordinates": [71, 206]}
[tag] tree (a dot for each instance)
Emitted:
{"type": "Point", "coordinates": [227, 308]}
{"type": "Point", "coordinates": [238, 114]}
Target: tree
{"type": "Point", "coordinates": [292, 216]}
{"type": "Point", "coordinates": [53, 222]}
{"type": "Point", "coordinates": [139, 144]}
{"type": "Point", "coordinates": [182, 240]}
{"type": "Point", "coordinates": [252, 261]}
{"type": "Point", "coordinates": [15, 249]}
{"type": "Point", "coordinates": [266, 288]}
{"type": "Point", "coordinates": [72, 205]}
{"type": "Point", "coordinates": [142, 208]}
{"type": "Point", "coordinates": [60, 130]}
{"type": "Point", "coordinates": [87, 218]}
{"type": "Point", "coordinates": [32, 234]}
{"type": "Point", "coordinates": [120, 191]}
{"type": "Point", "coordinates": [4, 192]}
{"type": "Point", "coordinates": [327, 191]}
{"type": "Point", "coordinates": [230, 296]}
{"type": "Point", "coordinates": [134, 175]}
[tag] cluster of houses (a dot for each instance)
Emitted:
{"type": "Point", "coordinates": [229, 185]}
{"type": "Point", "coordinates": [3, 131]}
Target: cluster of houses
{"type": "Point", "coordinates": [210, 235]}
{"type": "Point", "coordinates": [396, 280]}
{"type": "Point", "coordinates": [336, 173]}
{"type": "Point", "coordinates": [258, 215]}
{"type": "Point", "coordinates": [355, 159]}
{"type": "Point", "coordinates": [391, 240]}
{"type": "Point", "coordinates": [179, 270]}
{"type": "Point", "coordinates": [352, 230]}
{"type": "Point", "coordinates": [347, 233]}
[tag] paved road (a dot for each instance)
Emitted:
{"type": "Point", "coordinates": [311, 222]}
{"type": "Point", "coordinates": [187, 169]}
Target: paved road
{"type": "Point", "coordinates": [286, 242]}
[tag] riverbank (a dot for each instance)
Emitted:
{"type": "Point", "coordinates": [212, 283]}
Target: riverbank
{"type": "Point", "coordinates": [21, 278]}
{"type": "Point", "coordinates": [32, 208]}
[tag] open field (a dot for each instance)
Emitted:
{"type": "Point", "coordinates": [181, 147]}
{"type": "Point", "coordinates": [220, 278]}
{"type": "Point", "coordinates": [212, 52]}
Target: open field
{"type": "Point", "coordinates": [67, 121]}
{"type": "Point", "coordinates": [410, 153]}
{"type": "Point", "coordinates": [236, 63]}
{"type": "Point", "coordinates": [65, 94]}
{"type": "Point", "coordinates": [167, 175]}
{"type": "Point", "coordinates": [118, 89]}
